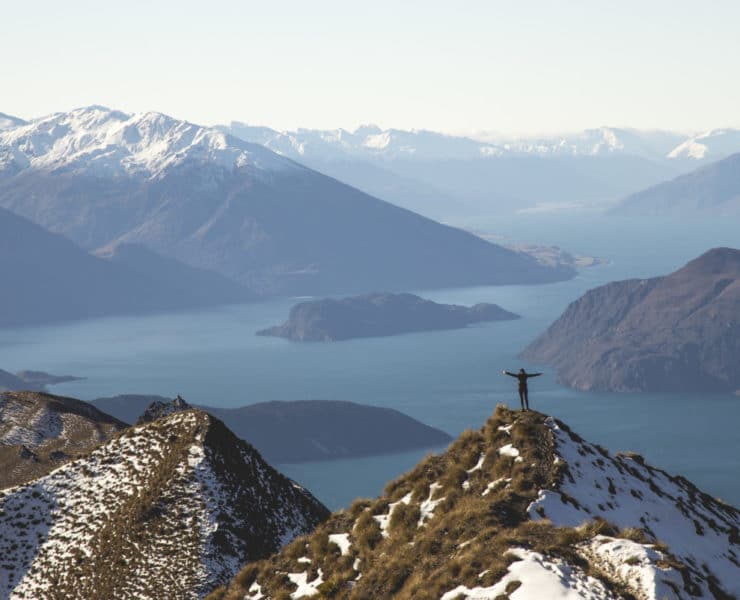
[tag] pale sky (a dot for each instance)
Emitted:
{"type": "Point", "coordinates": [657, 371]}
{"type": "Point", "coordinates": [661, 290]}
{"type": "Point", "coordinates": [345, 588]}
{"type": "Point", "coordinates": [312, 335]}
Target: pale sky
{"type": "Point", "coordinates": [517, 67]}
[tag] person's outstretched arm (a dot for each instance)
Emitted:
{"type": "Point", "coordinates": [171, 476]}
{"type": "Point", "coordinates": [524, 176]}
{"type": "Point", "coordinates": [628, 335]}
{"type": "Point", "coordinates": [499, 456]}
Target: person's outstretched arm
{"type": "Point", "coordinates": [533, 375]}
{"type": "Point", "coordinates": [509, 374]}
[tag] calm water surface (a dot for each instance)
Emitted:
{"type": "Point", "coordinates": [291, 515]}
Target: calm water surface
{"type": "Point", "coordinates": [450, 380]}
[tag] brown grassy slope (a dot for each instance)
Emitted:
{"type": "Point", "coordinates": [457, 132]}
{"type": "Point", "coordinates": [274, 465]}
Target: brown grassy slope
{"type": "Point", "coordinates": [481, 514]}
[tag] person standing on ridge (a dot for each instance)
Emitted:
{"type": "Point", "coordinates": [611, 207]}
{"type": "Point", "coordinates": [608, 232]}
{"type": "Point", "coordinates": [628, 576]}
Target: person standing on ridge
{"type": "Point", "coordinates": [522, 376]}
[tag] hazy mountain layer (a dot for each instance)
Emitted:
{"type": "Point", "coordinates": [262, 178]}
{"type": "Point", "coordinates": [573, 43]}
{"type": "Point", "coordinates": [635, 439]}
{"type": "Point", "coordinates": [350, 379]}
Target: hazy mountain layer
{"type": "Point", "coordinates": [676, 333]}
{"type": "Point", "coordinates": [522, 509]}
{"type": "Point", "coordinates": [45, 277]}
{"type": "Point", "coordinates": [449, 177]}
{"type": "Point", "coordinates": [303, 430]}
{"type": "Point", "coordinates": [216, 202]}
{"type": "Point", "coordinates": [711, 190]}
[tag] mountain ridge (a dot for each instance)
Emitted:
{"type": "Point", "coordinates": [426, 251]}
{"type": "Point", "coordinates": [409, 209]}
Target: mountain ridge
{"type": "Point", "coordinates": [713, 190]}
{"type": "Point", "coordinates": [679, 332]}
{"type": "Point", "coordinates": [301, 430]}
{"type": "Point", "coordinates": [168, 508]}
{"type": "Point", "coordinates": [522, 508]}
{"type": "Point", "coordinates": [218, 203]}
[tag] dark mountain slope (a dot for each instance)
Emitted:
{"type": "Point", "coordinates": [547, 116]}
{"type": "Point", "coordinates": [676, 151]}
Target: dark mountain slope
{"type": "Point", "coordinates": [45, 278]}
{"type": "Point", "coordinates": [680, 332]}
{"type": "Point", "coordinates": [710, 190]}
{"type": "Point", "coordinates": [302, 430]}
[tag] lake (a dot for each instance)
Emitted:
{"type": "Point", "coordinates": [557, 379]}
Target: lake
{"type": "Point", "coordinates": [450, 379]}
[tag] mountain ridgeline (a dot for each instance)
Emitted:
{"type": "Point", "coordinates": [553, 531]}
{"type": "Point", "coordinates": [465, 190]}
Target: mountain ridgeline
{"type": "Point", "coordinates": [524, 508]}
{"type": "Point", "coordinates": [45, 277]}
{"type": "Point", "coordinates": [299, 430]}
{"type": "Point", "coordinates": [675, 333]}
{"type": "Point", "coordinates": [375, 315]}
{"type": "Point", "coordinates": [711, 190]}
{"type": "Point", "coordinates": [215, 202]}
{"type": "Point", "coordinates": [166, 509]}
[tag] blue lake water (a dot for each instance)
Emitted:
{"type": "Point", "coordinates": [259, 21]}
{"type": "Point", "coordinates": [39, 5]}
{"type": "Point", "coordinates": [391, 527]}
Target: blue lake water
{"type": "Point", "coordinates": [449, 380]}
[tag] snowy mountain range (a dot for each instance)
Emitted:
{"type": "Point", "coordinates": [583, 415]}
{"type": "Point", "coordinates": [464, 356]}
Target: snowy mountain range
{"type": "Point", "coordinates": [450, 177]}
{"type": "Point", "coordinates": [166, 509]}
{"type": "Point", "coordinates": [215, 202]}
{"type": "Point", "coordinates": [101, 142]}
{"type": "Point", "coordinates": [523, 509]}
{"type": "Point", "coordinates": [370, 141]}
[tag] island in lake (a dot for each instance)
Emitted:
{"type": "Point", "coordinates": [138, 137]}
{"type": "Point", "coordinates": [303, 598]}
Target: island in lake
{"type": "Point", "coordinates": [377, 315]}
{"type": "Point", "coordinates": [31, 380]}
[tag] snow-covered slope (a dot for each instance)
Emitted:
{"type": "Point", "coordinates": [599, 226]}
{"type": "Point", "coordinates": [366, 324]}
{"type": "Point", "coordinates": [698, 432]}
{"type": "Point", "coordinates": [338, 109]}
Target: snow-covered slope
{"type": "Point", "coordinates": [167, 509]}
{"type": "Point", "coordinates": [624, 490]}
{"type": "Point", "coordinates": [708, 146]}
{"type": "Point", "coordinates": [522, 509]}
{"type": "Point", "coordinates": [370, 141]}
{"type": "Point", "coordinates": [9, 122]}
{"type": "Point", "coordinates": [38, 432]}
{"type": "Point", "coordinates": [98, 141]}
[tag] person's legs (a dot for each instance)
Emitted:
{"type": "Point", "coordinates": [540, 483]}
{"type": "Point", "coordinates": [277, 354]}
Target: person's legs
{"type": "Point", "coordinates": [526, 399]}
{"type": "Point", "coordinates": [521, 397]}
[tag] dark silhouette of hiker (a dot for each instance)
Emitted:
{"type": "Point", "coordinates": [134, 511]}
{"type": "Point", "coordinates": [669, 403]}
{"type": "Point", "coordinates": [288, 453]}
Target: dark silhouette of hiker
{"type": "Point", "coordinates": [522, 376]}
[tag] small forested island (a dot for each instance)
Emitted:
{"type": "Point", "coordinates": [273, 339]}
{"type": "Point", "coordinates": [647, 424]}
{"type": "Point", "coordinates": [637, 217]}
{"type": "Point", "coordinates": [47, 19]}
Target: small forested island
{"type": "Point", "coordinates": [377, 315]}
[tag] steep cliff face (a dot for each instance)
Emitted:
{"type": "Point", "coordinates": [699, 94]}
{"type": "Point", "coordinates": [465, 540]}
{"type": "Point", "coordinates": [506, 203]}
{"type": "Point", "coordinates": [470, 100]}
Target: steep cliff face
{"type": "Point", "coordinates": [680, 332]}
{"type": "Point", "coordinates": [522, 509]}
{"type": "Point", "coordinates": [166, 509]}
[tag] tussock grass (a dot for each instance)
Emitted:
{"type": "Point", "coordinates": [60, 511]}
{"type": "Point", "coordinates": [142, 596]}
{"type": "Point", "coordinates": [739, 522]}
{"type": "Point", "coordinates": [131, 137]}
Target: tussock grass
{"type": "Point", "coordinates": [467, 539]}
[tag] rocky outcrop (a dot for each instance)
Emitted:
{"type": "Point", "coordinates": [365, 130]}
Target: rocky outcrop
{"type": "Point", "coordinates": [375, 315]}
{"type": "Point", "coordinates": [680, 332]}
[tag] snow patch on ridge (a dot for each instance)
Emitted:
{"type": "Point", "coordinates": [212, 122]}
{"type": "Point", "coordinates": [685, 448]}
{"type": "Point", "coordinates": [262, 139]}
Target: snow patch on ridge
{"type": "Point", "coordinates": [539, 577]}
{"type": "Point", "coordinates": [630, 494]}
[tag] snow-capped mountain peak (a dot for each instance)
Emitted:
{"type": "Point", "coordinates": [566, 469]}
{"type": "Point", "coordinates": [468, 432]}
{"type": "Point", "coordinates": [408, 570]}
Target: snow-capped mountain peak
{"type": "Point", "coordinates": [96, 140]}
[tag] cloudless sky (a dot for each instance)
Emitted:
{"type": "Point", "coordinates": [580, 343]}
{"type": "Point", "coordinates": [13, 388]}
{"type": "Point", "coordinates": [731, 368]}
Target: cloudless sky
{"type": "Point", "coordinates": [507, 66]}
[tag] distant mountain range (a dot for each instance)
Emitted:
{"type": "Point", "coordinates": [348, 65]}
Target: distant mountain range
{"type": "Point", "coordinates": [711, 190]}
{"type": "Point", "coordinates": [46, 277]}
{"type": "Point", "coordinates": [525, 509]}
{"type": "Point", "coordinates": [375, 315]}
{"type": "Point", "coordinates": [370, 141]}
{"type": "Point", "coordinates": [299, 430]}
{"type": "Point", "coordinates": [215, 202]}
{"type": "Point", "coordinates": [166, 509]}
{"type": "Point", "coordinates": [450, 177]}
{"type": "Point", "coordinates": [676, 333]}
